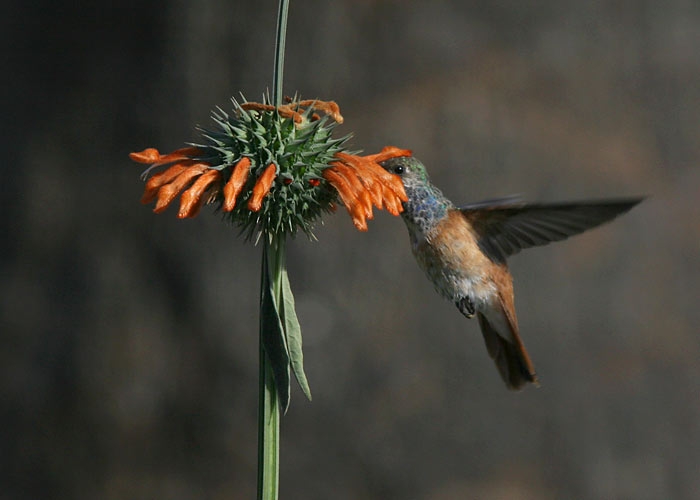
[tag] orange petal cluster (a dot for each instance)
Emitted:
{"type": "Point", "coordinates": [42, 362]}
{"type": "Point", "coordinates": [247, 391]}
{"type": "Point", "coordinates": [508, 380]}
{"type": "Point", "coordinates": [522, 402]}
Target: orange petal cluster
{"type": "Point", "coordinates": [296, 109]}
{"type": "Point", "coordinates": [361, 182]}
{"type": "Point", "coordinates": [183, 172]}
{"type": "Point", "coordinates": [198, 182]}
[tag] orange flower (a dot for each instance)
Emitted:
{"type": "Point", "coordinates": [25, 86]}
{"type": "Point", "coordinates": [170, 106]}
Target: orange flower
{"type": "Point", "coordinates": [359, 181]}
{"type": "Point", "coordinates": [298, 183]}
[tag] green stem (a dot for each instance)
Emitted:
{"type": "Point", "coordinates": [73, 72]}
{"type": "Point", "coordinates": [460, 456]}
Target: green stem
{"type": "Point", "coordinates": [279, 52]}
{"type": "Point", "coordinates": [269, 411]}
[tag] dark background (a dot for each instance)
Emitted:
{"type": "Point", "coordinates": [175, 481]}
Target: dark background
{"type": "Point", "coordinates": [129, 340]}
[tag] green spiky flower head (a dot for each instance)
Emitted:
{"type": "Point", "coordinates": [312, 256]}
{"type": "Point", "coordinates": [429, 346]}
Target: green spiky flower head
{"type": "Point", "coordinates": [293, 138]}
{"type": "Point", "coordinates": [273, 170]}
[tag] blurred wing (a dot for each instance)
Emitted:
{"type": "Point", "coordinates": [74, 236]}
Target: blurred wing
{"type": "Point", "coordinates": [503, 229]}
{"type": "Point", "coordinates": [507, 201]}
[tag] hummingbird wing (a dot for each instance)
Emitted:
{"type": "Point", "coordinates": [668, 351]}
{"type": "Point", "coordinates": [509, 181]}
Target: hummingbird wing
{"type": "Point", "coordinates": [503, 229]}
{"type": "Point", "coordinates": [507, 201]}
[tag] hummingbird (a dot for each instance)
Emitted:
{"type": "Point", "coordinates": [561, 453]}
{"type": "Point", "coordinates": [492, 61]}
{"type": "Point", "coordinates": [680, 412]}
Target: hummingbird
{"type": "Point", "coordinates": [463, 252]}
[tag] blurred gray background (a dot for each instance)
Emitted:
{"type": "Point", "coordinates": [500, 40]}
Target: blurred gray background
{"type": "Point", "coordinates": [129, 340]}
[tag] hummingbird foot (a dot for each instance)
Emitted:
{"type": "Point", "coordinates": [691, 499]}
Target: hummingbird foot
{"type": "Point", "coordinates": [466, 307]}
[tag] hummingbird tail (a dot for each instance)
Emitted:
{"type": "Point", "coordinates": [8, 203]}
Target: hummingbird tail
{"type": "Point", "coordinates": [511, 358]}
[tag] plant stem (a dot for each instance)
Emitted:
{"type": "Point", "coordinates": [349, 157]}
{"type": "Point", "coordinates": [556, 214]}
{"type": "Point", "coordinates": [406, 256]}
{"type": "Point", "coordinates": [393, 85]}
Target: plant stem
{"type": "Point", "coordinates": [279, 52]}
{"type": "Point", "coordinates": [273, 264]}
{"type": "Point", "coordinates": [268, 412]}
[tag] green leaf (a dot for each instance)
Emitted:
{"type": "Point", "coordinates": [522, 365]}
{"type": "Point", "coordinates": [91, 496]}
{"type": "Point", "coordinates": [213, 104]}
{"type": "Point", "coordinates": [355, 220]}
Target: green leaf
{"type": "Point", "coordinates": [293, 332]}
{"type": "Point", "coordinates": [274, 341]}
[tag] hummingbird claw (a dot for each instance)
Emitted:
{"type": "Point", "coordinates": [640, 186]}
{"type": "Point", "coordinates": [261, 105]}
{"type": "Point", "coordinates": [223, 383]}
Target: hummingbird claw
{"type": "Point", "coordinates": [466, 307]}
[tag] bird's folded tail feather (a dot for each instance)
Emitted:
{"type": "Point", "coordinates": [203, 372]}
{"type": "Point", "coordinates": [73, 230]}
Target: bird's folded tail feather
{"type": "Point", "coordinates": [510, 356]}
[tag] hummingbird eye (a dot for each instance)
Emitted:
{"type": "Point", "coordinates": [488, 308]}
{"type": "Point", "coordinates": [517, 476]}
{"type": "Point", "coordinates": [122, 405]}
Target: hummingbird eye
{"type": "Point", "coordinates": [399, 169]}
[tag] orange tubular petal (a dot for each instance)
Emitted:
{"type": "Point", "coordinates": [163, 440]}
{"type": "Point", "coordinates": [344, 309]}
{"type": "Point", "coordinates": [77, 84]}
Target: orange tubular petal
{"type": "Point", "coordinates": [358, 214]}
{"type": "Point", "coordinates": [350, 176]}
{"type": "Point", "coordinates": [389, 152]}
{"type": "Point", "coordinates": [193, 199]}
{"type": "Point", "coordinates": [262, 187]}
{"type": "Point", "coordinates": [366, 203]}
{"type": "Point", "coordinates": [334, 112]}
{"type": "Point", "coordinates": [377, 190]}
{"type": "Point", "coordinates": [374, 188]}
{"type": "Point", "coordinates": [297, 117]}
{"type": "Point", "coordinates": [286, 111]}
{"type": "Point", "coordinates": [392, 203]}
{"type": "Point", "coordinates": [256, 106]}
{"type": "Point", "coordinates": [168, 192]}
{"type": "Point", "coordinates": [362, 194]}
{"type": "Point", "coordinates": [179, 155]}
{"type": "Point", "coordinates": [148, 155]}
{"type": "Point", "coordinates": [158, 180]}
{"type": "Point", "coordinates": [365, 182]}
{"type": "Point", "coordinates": [359, 222]}
{"type": "Point", "coordinates": [347, 196]}
{"type": "Point", "coordinates": [235, 184]}
{"type": "Point", "coordinates": [331, 108]}
{"type": "Point", "coordinates": [192, 210]}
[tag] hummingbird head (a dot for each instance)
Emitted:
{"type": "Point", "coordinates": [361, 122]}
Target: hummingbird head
{"type": "Point", "coordinates": [426, 204]}
{"type": "Point", "coordinates": [411, 171]}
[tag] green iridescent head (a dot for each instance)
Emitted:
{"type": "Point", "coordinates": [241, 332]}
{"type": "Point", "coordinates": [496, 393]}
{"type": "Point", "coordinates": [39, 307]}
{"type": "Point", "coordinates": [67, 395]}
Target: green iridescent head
{"type": "Point", "coordinates": [426, 204]}
{"type": "Point", "coordinates": [411, 171]}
